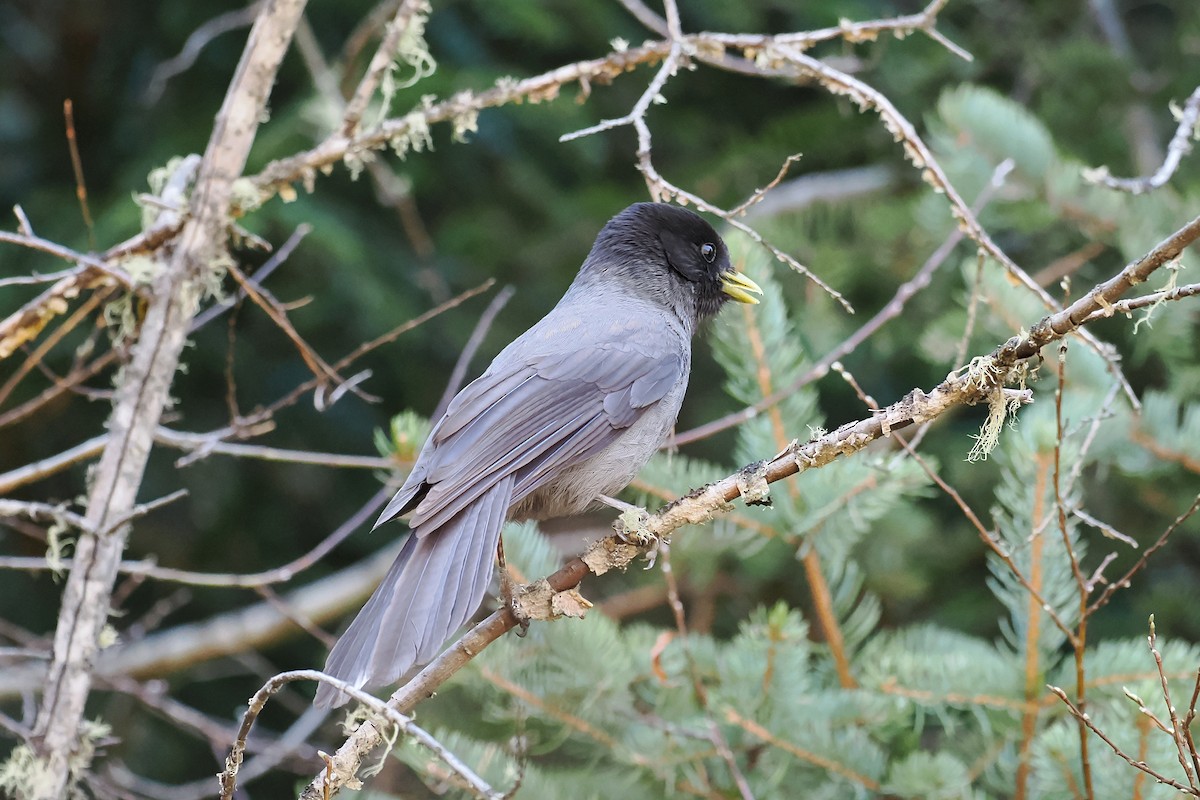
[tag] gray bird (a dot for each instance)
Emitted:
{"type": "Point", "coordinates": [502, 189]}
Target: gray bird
{"type": "Point", "coordinates": [564, 417]}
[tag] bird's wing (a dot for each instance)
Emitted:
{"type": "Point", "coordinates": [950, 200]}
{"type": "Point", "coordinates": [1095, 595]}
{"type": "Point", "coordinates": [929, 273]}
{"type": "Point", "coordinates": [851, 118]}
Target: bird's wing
{"type": "Point", "coordinates": [537, 411]}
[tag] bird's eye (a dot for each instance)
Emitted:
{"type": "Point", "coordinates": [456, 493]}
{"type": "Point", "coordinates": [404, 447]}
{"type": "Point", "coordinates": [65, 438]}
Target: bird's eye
{"type": "Point", "coordinates": [708, 252]}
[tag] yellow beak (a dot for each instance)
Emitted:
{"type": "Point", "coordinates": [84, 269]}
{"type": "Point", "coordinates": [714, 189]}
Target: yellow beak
{"type": "Point", "coordinates": [739, 287]}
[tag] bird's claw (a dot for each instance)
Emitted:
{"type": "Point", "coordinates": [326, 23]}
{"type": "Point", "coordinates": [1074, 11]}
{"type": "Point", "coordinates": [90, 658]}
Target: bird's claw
{"type": "Point", "coordinates": [522, 618]}
{"type": "Point", "coordinates": [510, 595]}
{"type": "Point", "coordinates": [652, 553]}
{"type": "Point", "coordinates": [630, 528]}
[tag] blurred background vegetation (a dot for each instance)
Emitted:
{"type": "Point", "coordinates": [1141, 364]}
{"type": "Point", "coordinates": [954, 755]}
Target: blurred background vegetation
{"type": "Point", "coordinates": [1056, 85]}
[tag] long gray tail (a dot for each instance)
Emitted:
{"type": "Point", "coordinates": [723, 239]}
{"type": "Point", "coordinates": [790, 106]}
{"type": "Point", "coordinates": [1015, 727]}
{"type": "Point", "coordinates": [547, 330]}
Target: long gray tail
{"type": "Point", "coordinates": [435, 584]}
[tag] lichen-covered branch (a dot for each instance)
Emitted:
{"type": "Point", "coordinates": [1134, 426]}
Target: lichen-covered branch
{"type": "Point", "coordinates": [142, 396]}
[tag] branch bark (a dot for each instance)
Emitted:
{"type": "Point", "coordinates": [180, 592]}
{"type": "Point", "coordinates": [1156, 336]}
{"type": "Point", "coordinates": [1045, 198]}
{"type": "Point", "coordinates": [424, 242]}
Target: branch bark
{"type": "Point", "coordinates": [144, 393]}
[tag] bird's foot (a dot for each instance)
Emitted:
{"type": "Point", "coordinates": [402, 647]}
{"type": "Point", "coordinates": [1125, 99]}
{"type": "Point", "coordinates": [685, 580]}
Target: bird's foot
{"type": "Point", "coordinates": [510, 594]}
{"type": "Point", "coordinates": [630, 528]}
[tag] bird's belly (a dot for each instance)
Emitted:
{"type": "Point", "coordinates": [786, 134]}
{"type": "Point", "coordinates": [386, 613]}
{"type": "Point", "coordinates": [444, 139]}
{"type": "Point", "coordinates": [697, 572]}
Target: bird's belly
{"type": "Point", "coordinates": [575, 489]}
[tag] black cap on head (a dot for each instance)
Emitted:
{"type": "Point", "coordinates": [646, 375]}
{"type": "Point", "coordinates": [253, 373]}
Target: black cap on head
{"type": "Point", "coordinates": [669, 253]}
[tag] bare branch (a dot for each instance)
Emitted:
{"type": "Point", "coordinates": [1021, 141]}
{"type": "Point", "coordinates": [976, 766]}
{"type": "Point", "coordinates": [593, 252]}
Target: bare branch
{"type": "Point", "coordinates": [228, 778]}
{"type": "Point", "coordinates": [255, 626]}
{"type": "Point", "coordinates": [1181, 144]}
{"type": "Point", "coordinates": [143, 394]}
{"type": "Point", "coordinates": [1177, 736]}
{"type": "Point", "coordinates": [54, 464]}
{"type": "Point", "coordinates": [459, 373]}
{"type": "Point", "coordinates": [833, 186]}
{"type": "Point", "coordinates": [150, 569]}
{"type": "Point", "coordinates": [1123, 581]}
{"type": "Point", "coordinates": [1085, 720]}
{"type": "Point", "coordinates": [1152, 299]}
{"type": "Point", "coordinates": [915, 150]}
{"type": "Point", "coordinates": [194, 46]}
{"type": "Point", "coordinates": [278, 315]}
{"type": "Point", "coordinates": [44, 511]}
{"type": "Point", "coordinates": [1103, 527]}
{"type": "Point", "coordinates": [848, 31]}
{"type": "Point", "coordinates": [77, 166]}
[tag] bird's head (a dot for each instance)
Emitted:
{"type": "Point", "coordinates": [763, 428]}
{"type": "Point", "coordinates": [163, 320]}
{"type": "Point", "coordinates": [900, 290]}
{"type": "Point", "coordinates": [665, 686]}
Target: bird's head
{"type": "Point", "coordinates": [672, 256]}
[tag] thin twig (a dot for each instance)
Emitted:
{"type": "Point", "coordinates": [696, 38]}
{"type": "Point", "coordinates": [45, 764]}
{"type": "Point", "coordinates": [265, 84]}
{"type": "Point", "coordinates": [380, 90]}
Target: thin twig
{"type": "Point", "coordinates": [458, 374]}
{"type": "Point", "coordinates": [1187, 724]}
{"type": "Point", "coordinates": [1177, 737]}
{"type": "Point", "coordinates": [261, 274]}
{"type": "Point", "coordinates": [1152, 299]}
{"type": "Point", "coordinates": [890, 311]}
{"type": "Point", "coordinates": [1082, 583]}
{"type": "Point", "coordinates": [150, 569]}
{"type": "Point", "coordinates": [277, 314]}
{"type": "Point", "coordinates": [77, 166]}
{"type": "Point", "coordinates": [195, 44]}
{"type": "Point", "coordinates": [758, 195]}
{"type": "Point", "coordinates": [44, 511]}
{"type": "Point", "coordinates": [98, 265]}
{"type": "Point", "coordinates": [1085, 720]}
{"type": "Point", "coordinates": [1108, 530]}
{"type": "Point", "coordinates": [1098, 573]}
{"type": "Point", "coordinates": [1124, 581]}
{"type": "Point", "coordinates": [228, 778]}
{"type": "Point", "coordinates": [15, 728]}
{"type": "Point", "coordinates": [366, 30]}
{"type": "Point", "coordinates": [35, 277]}
{"type": "Point", "coordinates": [211, 444]}
{"type": "Point", "coordinates": [1180, 145]}
{"type": "Point", "coordinates": [646, 15]}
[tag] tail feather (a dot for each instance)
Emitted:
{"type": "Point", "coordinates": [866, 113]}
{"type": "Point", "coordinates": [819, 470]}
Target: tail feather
{"type": "Point", "coordinates": [435, 584]}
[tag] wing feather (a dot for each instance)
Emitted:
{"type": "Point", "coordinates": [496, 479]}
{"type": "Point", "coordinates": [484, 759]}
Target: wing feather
{"type": "Point", "coordinates": [532, 415]}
